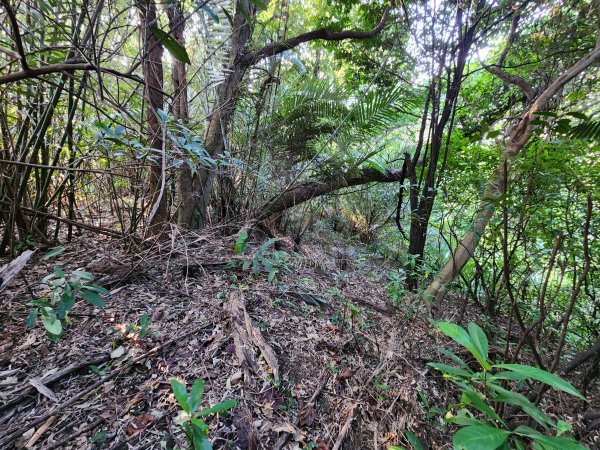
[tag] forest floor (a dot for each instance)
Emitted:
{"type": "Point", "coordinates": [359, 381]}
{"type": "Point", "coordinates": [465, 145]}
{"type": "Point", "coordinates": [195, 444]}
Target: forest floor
{"type": "Point", "coordinates": [316, 358]}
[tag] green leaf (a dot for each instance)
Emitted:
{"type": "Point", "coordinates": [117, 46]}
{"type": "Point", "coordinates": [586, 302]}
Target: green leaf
{"type": "Point", "coordinates": [92, 297]}
{"type": "Point", "coordinates": [174, 47]}
{"type": "Point", "coordinates": [53, 253]}
{"type": "Point", "coordinates": [260, 4]}
{"type": "Point", "coordinates": [514, 398]}
{"type": "Point", "coordinates": [455, 358]}
{"type": "Point", "coordinates": [100, 436]}
{"type": "Point", "coordinates": [460, 336]}
{"type": "Point", "coordinates": [208, 10]}
{"type": "Point", "coordinates": [180, 393]}
{"type": "Point", "coordinates": [578, 115]}
{"type": "Point", "coordinates": [96, 288]}
{"type": "Point", "coordinates": [463, 417]}
{"type": "Point", "coordinates": [511, 376]}
{"type": "Point", "coordinates": [196, 395]}
{"type": "Point", "coordinates": [479, 437]}
{"type": "Point", "coordinates": [479, 339]}
{"type": "Point", "coordinates": [52, 325]}
{"type": "Point", "coordinates": [548, 442]}
{"type": "Point", "coordinates": [83, 274]}
{"type": "Point", "coordinates": [67, 301]}
{"type": "Point", "coordinates": [59, 272]}
{"type": "Point", "coordinates": [470, 396]}
{"type": "Point", "coordinates": [241, 243]}
{"type": "Point", "coordinates": [543, 377]}
{"type": "Point", "coordinates": [218, 408]}
{"type": "Point", "coordinates": [562, 427]}
{"type": "Point", "coordinates": [414, 440]}
{"type": "Point", "coordinates": [32, 318]}
{"type": "Point", "coordinates": [199, 435]}
{"type": "Point", "coordinates": [445, 368]}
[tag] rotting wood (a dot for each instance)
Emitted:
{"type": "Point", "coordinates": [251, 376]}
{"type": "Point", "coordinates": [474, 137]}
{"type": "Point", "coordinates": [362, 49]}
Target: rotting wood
{"type": "Point", "coordinates": [246, 336]}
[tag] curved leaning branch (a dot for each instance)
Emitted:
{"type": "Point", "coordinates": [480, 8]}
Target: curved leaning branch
{"type": "Point", "coordinates": [312, 189]}
{"type": "Point", "coordinates": [519, 136]}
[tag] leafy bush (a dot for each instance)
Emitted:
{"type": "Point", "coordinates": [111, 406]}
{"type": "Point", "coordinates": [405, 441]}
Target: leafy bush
{"type": "Point", "coordinates": [196, 430]}
{"type": "Point", "coordinates": [482, 427]}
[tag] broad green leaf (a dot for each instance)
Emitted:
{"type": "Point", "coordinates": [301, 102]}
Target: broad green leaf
{"type": "Point", "coordinates": [511, 376]}
{"type": "Point", "coordinates": [174, 47]}
{"type": "Point", "coordinates": [92, 297]}
{"type": "Point", "coordinates": [196, 395]}
{"type": "Point", "coordinates": [479, 437]}
{"type": "Point", "coordinates": [543, 377]}
{"type": "Point", "coordinates": [100, 436]}
{"type": "Point", "coordinates": [180, 393]}
{"type": "Point", "coordinates": [67, 301]}
{"type": "Point", "coordinates": [460, 336]}
{"type": "Point", "coordinates": [96, 288]}
{"type": "Point", "coordinates": [52, 325]}
{"type": "Point", "coordinates": [53, 253]}
{"type": "Point", "coordinates": [218, 408]}
{"type": "Point", "coordinates": [31, 318]}
{"type": "Point", "coordinates": [59, 272]}
{"type": "Point", "coordinates": [199, 435]}
{"type": "Point", "coordinates": [479, 339]}
{"type": "Point", "coordinates": [462, 417]}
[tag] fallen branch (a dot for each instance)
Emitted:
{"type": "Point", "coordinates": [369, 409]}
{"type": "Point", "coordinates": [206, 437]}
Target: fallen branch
{"type": "Point", "coordinates": [12, 269]}
{"type": "Point", "coordinates": [344, 431]}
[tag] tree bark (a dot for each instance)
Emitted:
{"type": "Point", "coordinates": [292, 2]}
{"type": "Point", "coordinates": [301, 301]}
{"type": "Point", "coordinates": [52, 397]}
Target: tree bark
{"type": "Point", "coordinates": [519, 136]}
{"type": "Point", "coordinates": [152, 69]}
{"type": "Point", "coordinates": [186, 202]}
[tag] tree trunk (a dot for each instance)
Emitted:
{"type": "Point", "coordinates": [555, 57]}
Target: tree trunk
{"type": "Point", "coordinates": [152, 69]}
{"type": "Point", "coordinates": [519, 136]}
{"type": "Point", "coordinates": [186, 202]}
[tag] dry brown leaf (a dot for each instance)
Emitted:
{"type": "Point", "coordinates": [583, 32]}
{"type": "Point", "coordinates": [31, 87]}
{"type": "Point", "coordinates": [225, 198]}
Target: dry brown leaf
{"type": "Point", "coordinates": [139, 424]}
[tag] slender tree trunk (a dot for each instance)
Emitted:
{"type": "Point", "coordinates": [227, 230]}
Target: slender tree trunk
{"type": "Point", "coordinates": [220, 120]}
{"type": "Point", "coordinates": [519, 136]}
{"type": "Point", "coordinates": [439, 125]}
{"type": "Point", "coordinates": [186, 202]}
{"type": "Point", "coordinates": [152, 68]}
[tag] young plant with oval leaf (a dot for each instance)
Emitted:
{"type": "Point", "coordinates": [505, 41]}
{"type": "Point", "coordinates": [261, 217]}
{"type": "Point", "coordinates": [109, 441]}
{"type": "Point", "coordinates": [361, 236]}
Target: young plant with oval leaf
{"type": "Point", "coordinates": [65, 289]}
{"type": "Point", "coordinates": [493, 385]}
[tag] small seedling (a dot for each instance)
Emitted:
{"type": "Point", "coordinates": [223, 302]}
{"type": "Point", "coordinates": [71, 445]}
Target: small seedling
{"type": "Point", "coordinates": [64, 291]}
{"type": "Point", "coordinates": [194, 427]}
{"type": "Point", "coordinates": [142, 327]}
